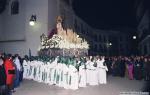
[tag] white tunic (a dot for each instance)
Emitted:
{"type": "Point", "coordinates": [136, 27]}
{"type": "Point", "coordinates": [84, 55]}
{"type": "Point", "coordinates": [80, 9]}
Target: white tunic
{"type": "Point", "coordinates": [101, 71]}
{"type": "Point", "coordinates": [73, 78]}
{"type": "Point", "coordinates": [49, 73]}
{"type": "Point", "coordinates": [82, 76]}
{"type": "Point", "coordinates": [93, 75]}
{"type": "Point", "coordinates": [26, 68]}
{"type": "Point", "coordinates": [17, 63]}
{"type": "Point", "coordinates": [65, 80]}
{"type": "Point", "coordinates": [88, 72]}
{"type": "Point", "coordinates": [53, 71]}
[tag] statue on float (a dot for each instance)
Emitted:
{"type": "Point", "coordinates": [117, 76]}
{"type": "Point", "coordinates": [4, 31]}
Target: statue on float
{"type": "Point", "coordinates": [63, 40]}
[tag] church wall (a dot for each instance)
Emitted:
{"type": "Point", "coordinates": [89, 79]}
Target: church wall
{"type": "Point", "coordinates": [13, 34]}
{"type": "Point", "coordinates": [11, 21]}
{"type": "Point", "coordinates": [33, 33]}
{"type": "Point", "coordinates": [19, 36]}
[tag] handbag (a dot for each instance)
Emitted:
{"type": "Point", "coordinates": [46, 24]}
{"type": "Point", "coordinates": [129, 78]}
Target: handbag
{"type": "Point", "coordinates": [11, 71]}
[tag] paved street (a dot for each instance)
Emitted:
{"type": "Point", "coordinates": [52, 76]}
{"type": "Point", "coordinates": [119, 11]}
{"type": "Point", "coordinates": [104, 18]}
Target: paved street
{"type": "Point", "coordinates": [114, 87]}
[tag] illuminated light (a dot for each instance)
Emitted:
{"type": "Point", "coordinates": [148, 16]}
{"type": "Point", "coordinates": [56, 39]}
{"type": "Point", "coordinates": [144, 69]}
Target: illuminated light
{"type": "Point", "coordinates": [110, 44]}
{"type": "Point", "coordinates": [134, 37]}
{"type": "Point", "coordinates": [32, 20]}
{"type": "Point", "coordinates": [32, 23]}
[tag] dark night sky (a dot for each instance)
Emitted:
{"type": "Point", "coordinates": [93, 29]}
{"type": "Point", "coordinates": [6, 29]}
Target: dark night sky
{"type": "Point", "coordinates": [106, 14]}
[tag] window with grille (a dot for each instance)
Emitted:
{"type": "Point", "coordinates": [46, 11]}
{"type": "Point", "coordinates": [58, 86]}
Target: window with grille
{"type": "Point", "coordinates": [15, 7]}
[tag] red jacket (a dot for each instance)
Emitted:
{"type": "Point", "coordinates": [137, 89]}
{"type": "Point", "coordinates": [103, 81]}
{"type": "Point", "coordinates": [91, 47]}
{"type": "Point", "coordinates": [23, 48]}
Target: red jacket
{"type": "Point", "coordinates": [8, 64]}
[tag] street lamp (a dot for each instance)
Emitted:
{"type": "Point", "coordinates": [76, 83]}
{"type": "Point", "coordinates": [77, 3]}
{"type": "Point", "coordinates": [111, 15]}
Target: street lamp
{"type": "Point", "coordinates": [32, 23]}
{"type": "Point", "coordinates": [32, 20]}
{"type": "Point", "coordinates": [110, 44]}
{"type": "Point", "coordinates": [134, 37]}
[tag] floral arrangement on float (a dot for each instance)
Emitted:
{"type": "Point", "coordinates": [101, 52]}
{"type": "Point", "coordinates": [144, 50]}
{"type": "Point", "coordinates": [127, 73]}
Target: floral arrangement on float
{"type": "Point", "coordinates": [63, 41]}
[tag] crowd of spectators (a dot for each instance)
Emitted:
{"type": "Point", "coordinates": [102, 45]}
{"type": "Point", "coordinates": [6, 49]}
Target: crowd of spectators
{"type": "Point", "coordinates": [133, 67]}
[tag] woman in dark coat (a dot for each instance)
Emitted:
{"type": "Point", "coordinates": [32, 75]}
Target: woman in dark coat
{"type": "Point", "coordinates": [122, 67]}
{"type": "Point", "coordinates": [138, 69]}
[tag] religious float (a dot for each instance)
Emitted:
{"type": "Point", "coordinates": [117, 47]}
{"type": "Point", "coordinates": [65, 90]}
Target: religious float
{"type": "Point", "coordinates": [63, 42]}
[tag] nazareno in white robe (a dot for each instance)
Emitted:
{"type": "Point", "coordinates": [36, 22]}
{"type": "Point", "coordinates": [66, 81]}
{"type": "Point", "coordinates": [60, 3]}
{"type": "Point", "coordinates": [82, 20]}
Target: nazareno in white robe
{"type": "Point", "coordinates": [82, 76]}
{"type": "Point", "coordinates": [53, 70]}
{"type": "Point", "coordinates": [88, 71]}
{"type": "Point", "coordinates": [101, 71]}
{"type": "Point", "coordinates": [93, 74]}
{"type": "Point", "coordinates": [26, 68]}
{"type": "Point", "coordinates": [65, 76]}
{"type": "Point", "coordinates": [73, 78]}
